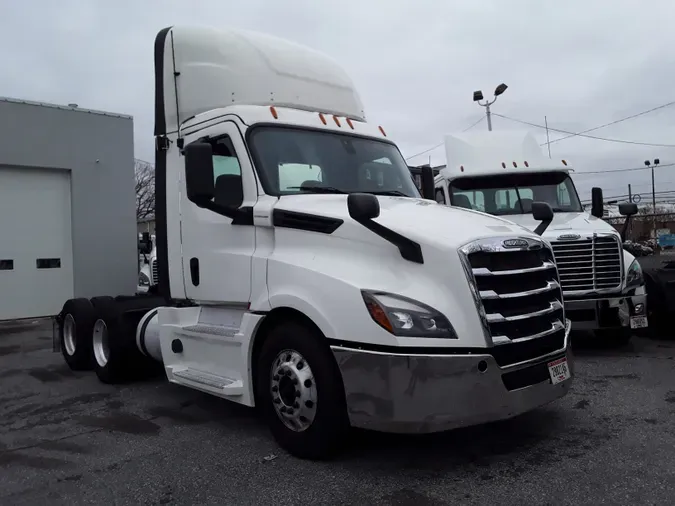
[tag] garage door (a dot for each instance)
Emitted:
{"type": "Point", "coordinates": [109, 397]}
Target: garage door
{"type": "Point", "coordinates": [36, 255]}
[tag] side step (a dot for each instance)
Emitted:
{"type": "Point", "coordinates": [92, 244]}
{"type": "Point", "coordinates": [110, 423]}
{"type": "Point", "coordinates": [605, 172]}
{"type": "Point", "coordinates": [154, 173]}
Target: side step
{"type": "Point", "coordinates": [204, 330]}
{"type": "Point", "coordinates": [217, 384]}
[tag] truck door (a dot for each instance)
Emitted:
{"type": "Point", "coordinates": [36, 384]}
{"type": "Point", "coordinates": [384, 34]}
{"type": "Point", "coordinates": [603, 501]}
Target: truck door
{"type": "Point", "coordinates": [217, 251]}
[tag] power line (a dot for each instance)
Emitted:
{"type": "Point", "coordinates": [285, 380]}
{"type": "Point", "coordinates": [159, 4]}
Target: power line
{"type": "Point", "coordinates": [611, 123]}
{"type": "Point", "coordinates": [440, 144]}
{"type": "Point", "coordinates": [474, 124]}
{"type": "Point", "coordinates": [621, 170]}
{"type": "Point", "coordinates": [621, 141]}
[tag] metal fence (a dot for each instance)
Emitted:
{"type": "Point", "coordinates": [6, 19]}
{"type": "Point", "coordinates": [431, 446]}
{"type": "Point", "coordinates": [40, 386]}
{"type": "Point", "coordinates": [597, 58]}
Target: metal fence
{"type": "Point", "coordinates": [641, 227]}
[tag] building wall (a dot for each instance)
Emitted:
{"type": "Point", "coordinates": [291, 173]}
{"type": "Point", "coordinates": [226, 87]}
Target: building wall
{"type": "Point", "coordinates": [98, 150]}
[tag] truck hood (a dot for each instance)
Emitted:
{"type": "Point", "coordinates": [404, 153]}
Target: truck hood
{"type": "Point", "coordinates": [423, 221]}
{"type": "Point", "coordinates": [565, 223]}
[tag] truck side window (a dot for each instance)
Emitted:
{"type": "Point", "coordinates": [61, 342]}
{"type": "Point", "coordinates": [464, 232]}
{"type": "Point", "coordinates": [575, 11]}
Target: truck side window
{"type": "Point", "coordinates": [440, 196]}
{"type": "Point", "coordinates": [226, 173]}
{"type": "Point", "coordinates": [563, 195]}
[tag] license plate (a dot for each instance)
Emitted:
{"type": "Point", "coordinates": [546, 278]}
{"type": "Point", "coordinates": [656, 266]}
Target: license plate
{"type": "Point", "coordinates": [638, 322]}
{"type": "Point", "coordinates": [559, 370]}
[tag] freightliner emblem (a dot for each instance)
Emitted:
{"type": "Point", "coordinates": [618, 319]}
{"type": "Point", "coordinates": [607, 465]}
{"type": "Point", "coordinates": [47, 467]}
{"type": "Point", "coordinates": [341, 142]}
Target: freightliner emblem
{"type": "Point", "coordinates": [569, 237]}
{"type": "Point", "coordinates": [515, 243]}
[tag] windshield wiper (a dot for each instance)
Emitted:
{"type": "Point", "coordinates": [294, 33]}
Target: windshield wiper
{"type": "Point", "coordinates": [316, 189]}
{"type": "Point", "coordinates": [393, 193]}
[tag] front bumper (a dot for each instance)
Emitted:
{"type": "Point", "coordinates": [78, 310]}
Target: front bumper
{"type": "Point", "coordinates": [432, 393]}
{"type": "Point", "coordinates": [605, 312]}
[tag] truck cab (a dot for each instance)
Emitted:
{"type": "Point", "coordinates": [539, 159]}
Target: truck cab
{"type": "Point", "coordinates": [147, 273]}
{"type": "Point", "coordinates": [300, 271]}
{"type": "Point", "coordinates": [502, 174]}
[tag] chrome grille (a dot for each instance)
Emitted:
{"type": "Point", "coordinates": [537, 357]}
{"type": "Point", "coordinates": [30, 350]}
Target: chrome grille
{"type": "Point", "coordinates": [153, 270]}
{"type": "Point", "coordinates": [589, 264]}
{"type": "Point", "coordinates": [518, 295]}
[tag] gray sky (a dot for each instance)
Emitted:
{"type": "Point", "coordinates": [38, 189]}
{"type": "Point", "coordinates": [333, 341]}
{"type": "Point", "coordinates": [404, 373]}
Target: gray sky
{"type": "Point", "coordinates": [581, 63]}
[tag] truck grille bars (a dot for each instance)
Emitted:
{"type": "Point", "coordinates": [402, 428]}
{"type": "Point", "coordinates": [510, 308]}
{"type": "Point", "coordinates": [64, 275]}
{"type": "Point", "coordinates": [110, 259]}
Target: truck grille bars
{"type": "Point", "coordinates": [518, 295]}
{"type": "Point", "coordinates": [589, 264]}
{"type": "Point", "coordinates": [153, 272]}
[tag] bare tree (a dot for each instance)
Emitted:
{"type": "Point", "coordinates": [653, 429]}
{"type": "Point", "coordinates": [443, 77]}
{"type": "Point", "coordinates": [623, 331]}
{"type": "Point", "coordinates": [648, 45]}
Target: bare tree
{"type": "Point", "coordinates": [145, 189]}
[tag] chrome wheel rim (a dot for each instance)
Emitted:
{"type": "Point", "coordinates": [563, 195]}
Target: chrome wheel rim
{"type": "Point", "coordinates": [293, 390]}
{"type": "Point", "coordinates": [100, 343]}
{"type": "Point", "coordinates": [69, 334]}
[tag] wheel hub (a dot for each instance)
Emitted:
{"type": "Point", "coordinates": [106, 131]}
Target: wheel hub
{"type": "Point", "coordinates": [100, 343]}
{"type": "Point", "coordinates": [293, 390]}
{"type": "Point", "coordinates": [69, 342]}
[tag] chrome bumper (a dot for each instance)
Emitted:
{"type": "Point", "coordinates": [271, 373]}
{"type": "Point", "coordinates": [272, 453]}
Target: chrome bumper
{"type": "Point", "coordinates": [606, 312]}
{"type": "Point", "coordinates": [432, 393]}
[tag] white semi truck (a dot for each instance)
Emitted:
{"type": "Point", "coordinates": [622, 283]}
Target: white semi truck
{"type": "Point", "coordinates": [300, 272]}
{"type": "Point", "coordinates": [502, 173]}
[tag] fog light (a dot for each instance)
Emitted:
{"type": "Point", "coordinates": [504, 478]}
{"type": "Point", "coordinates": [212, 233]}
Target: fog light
{"type": "Point", "coordinates": [639, 308]}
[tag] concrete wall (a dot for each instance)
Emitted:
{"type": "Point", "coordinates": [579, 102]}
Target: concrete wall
{"type": "Point", "coordinates": [98, 149]}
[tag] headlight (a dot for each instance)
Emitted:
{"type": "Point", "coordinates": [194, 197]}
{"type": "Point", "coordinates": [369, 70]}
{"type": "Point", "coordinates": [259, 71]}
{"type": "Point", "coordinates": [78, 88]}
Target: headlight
{"type": "Point", "coordinates": [143, 279]}
{"type": "Point", "coordinates": [634, 276]}
{"type": "Point", "coordinates": [406, 317]}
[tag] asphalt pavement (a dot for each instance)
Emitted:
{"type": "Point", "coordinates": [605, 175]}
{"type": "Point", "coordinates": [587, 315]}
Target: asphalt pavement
{"type": "Point", "coordinates": [67, 439]}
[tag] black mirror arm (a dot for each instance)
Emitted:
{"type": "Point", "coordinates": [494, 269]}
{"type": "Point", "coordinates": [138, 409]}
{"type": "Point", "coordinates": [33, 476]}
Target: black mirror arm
{"type": "Point", "coordinates": [242, 215]}
{"type": "Point", "coordinates": [541, 228]}
{"type": "Point", "coordinates": [624, 229]}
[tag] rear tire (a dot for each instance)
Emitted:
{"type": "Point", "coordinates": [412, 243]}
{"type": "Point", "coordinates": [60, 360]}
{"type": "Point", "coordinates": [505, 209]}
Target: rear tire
{"type": "Point", "coordinates": [75, 333]}
{"type": "Point", "coordinates": [114, 356]}
{"type": "Point", "coordinates": [300, 393]}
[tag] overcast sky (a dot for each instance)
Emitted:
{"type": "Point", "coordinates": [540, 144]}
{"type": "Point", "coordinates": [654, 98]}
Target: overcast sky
{"type": "Point", "coordinates": [581, 63]}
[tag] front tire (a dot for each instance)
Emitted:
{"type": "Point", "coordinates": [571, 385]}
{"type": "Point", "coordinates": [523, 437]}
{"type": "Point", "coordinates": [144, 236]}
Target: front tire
{"type": "Point", "coordinates": [300, 393]}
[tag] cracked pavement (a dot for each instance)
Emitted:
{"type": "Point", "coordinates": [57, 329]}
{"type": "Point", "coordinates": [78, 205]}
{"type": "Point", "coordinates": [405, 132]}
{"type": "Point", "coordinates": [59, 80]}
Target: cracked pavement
{"type": "Point", "coordinates": [67, 439]}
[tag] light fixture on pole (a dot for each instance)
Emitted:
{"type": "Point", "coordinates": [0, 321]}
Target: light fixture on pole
{"type": "Point", "coordinates": [478, 96]}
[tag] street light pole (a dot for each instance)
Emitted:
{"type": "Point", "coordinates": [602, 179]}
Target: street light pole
{"type": "Point", "coordinates": [649, 164]}
{"type": "Point", "coordinates": [478, 96]}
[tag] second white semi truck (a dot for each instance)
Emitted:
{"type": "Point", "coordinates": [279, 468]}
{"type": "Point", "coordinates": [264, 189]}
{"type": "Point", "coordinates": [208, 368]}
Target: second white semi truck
{"type": "Point", "coordinates": [300, 272]}
{"type": "Point", "coordinates": [502, 173]}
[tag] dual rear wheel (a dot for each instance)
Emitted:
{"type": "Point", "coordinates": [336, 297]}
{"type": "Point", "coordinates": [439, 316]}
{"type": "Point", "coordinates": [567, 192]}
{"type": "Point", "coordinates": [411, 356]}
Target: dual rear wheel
{"type": "Point", "coordinates": [97, 335]}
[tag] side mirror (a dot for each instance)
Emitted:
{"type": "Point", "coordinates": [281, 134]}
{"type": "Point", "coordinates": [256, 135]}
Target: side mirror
{"type": "Point", "coordinates": [628, 209]}
{"type": "Point", "coordinates": [428, 186]}
{"type": "Point", "coordinates": [542, 211]}
{"type": "Point", "coordinates": [199, 173]}
{"type": "Point", "coordinates": [597, 206]}
{"type": "Point", "coordinates": [363, 206]}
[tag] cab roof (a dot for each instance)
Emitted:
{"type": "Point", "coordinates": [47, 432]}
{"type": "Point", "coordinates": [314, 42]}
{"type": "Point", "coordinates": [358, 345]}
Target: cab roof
{"type": "Point", "coordinates": [198, 69]}
{"type": "Point", "coordinates": [485, 153]}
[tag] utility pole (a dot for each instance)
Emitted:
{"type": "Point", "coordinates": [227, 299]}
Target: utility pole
{"type": "Point", "coordinates": [630, 195]}
{"type": "Point", "coordinates": [478, 96]}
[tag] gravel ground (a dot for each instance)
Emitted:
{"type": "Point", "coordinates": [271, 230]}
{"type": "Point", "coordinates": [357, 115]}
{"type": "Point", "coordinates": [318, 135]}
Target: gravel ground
{"type": "Point", "coordinates": [67, 439]}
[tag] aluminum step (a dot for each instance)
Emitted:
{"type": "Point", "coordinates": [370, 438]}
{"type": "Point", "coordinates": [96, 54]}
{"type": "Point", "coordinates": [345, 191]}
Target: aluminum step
{"type": "Point", "coordinates": [226, 386]}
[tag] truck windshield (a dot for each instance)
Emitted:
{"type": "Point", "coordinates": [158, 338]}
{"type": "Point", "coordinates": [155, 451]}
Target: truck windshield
{"type": "Point", "coordinates": [297, 161]}
{"type": "Point", "coordinates": [514, 193]}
